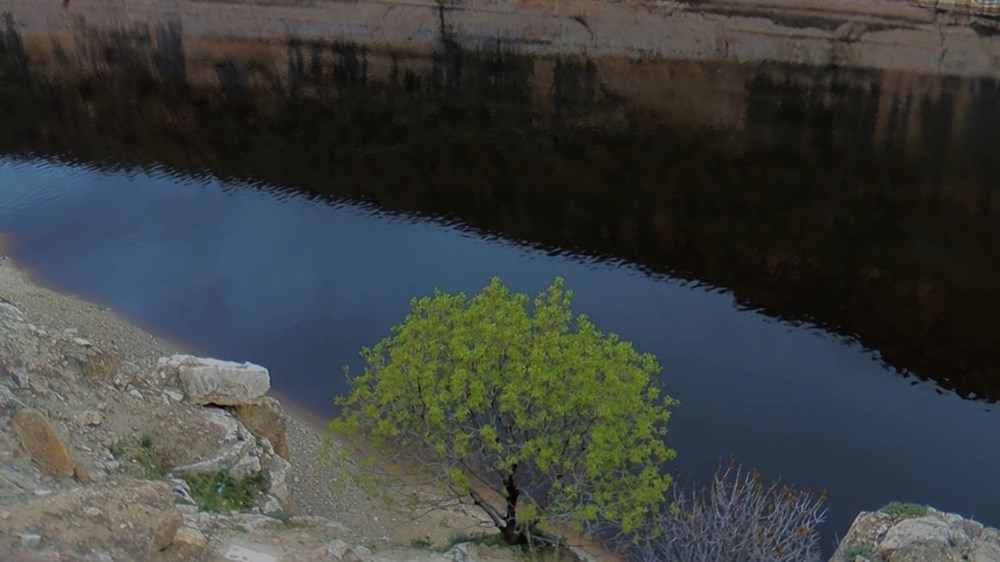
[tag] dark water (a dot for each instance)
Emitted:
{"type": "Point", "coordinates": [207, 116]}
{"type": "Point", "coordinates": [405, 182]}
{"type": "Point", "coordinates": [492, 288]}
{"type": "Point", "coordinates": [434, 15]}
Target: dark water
{"type": "Point", "coordinates": [811, 253]}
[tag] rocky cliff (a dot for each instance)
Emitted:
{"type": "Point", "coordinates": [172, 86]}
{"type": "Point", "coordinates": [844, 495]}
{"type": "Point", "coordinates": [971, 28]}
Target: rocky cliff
{"type": "Point", "coordinates": [923, 36]}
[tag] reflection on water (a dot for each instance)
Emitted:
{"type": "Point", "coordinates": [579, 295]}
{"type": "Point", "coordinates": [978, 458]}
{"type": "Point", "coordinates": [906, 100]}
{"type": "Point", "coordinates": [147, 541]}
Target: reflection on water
{"type": "Point", "coordinates": [861, 201]}
{"type": "Point", "coordinates": [858, 201]}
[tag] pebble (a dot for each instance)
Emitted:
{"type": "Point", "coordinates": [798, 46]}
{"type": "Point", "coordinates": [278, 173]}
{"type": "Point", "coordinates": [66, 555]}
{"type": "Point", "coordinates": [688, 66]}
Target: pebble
{"type": "Point", "coordinates": [82, 342]}
{"type": "Point", "coordinates": [135, 394]}
{"type": "Point", "coordinates": [90, 417]}
{"type": "Point", "coordinates": [81, 474]}
{"type": "Point", "coordinates": [92, 511]}
{"type": "Point", "coordinates": [29, 539]}
{"type": "Point", "coordinates": [19, 379]}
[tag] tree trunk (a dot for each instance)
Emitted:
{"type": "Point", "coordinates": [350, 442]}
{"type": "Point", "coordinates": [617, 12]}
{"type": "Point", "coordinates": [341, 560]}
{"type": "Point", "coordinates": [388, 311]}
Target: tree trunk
{"type": "Point", "coordinates": [512, 533]}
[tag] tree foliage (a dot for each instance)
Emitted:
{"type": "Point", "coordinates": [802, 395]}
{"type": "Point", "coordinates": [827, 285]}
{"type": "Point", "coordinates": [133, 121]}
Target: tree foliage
{"type": "Point", "coordinates": [528, 412]}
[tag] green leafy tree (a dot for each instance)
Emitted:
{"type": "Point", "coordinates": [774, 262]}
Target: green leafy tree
{"type": "Point", "coordinates": [529, 413]}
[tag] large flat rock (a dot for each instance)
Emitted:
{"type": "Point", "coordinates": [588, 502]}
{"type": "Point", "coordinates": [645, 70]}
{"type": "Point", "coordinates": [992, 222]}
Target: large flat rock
{"type": "Point", "coordinates": [211, 381]}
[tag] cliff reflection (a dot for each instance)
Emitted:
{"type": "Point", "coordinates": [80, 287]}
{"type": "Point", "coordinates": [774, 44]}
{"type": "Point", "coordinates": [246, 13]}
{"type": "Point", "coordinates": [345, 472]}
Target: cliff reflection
{"type": "Point", "coordinates": [862, 201]}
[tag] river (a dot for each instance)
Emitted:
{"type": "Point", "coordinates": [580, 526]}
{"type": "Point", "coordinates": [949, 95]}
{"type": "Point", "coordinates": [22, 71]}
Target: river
{"type": "Point", "coordinates": [811, 253]}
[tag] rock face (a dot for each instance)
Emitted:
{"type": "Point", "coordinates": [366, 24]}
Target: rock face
{"type": "Point", "coordinates": [129, 519]}
{"type": "Point", "coordinates": [211, 381]}
{"type": "Point", "coordinates": [265, 418]}
{"type": "Point", "coordinates": [929, 537]}
{"type": "Point", "coordinates": [235, 451]}
{"type": "Point", "coordinates": [43, 442]}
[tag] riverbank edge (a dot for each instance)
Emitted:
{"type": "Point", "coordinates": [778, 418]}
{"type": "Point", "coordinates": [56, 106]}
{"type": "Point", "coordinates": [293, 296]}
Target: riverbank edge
{"type": "Point", "coordinates": [356, 516]}
{"type": "Point", "coordinates": [892, 35]}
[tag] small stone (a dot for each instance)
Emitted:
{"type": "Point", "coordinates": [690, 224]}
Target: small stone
{"type": "Point", "coordinates": [81, 474]}
{"type": "Point", "coordinates": [29, 539]}
{"type": "Point", "coordinates": [20, 379]}
{"type": "Point", "coordinates": [460, 553]}
{"type": "Point", "coordinates": [90, 417]}
{"type": "Point", "coordinates": [39, 388]}
{"type": "Point", "coordinates": [190, 537]}
{"type": "Point", "coordinates": [337, 549]}
{"type": "Point", "coordinates": [173, 395]}
{"type": "Point", "coordinates": [250, 552]}
{"type": "Point", "coordinates": [82, 342]}
{"type": "Point", "coordinates": [43, 492]}
{"type": "Point", "coordinates": [135, 394]}
{"type": "Point", "coordinates": [271, 505]}
{"type": "Point", "coordinates": [112, 466]}
{"type": "Point", "coordinates": [92, 511]}
{"type": "Point", "coordinates": [129, 368]}
{"type": "Point", "coordinates": [43, 442]}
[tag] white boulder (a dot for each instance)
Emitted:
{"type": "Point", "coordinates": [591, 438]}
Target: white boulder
{"type": "Point", "coordinates": [211, 381]}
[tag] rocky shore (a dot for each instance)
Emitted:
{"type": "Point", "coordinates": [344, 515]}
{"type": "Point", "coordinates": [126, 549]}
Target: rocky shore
{"type": "Point", "coordinates": [114, 446]}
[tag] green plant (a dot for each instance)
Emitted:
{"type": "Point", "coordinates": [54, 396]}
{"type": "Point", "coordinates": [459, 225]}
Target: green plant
{"type": "Point", "coordinates": [118, 449]}
{"type": "Point", "coordinates": [560, 421]}
{"type": "Point", "coordinates": [901, 509]}
{"type": "Point", "coordinates": [143, 458]}
{"type": "Point", "coordinates": [151, 465]}
{"type": "Point", "coordinates": [863, 549]}
{"type": "Point", "coordinates": [220, 492]}
{"type": "Point", "coordinates": [420, 543]}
